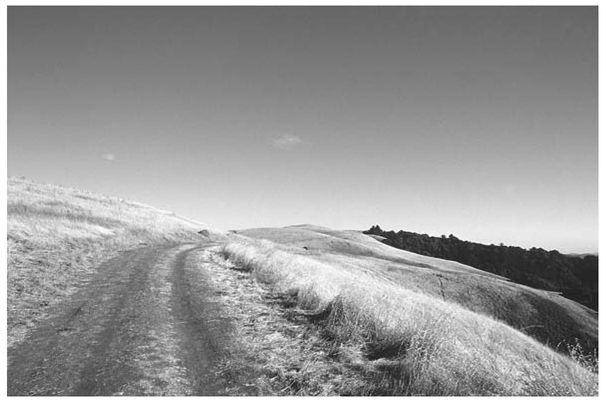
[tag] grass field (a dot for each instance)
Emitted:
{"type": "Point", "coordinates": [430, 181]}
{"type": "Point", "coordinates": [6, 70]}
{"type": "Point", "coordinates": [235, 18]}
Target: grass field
{"type": "Point", "coordinates": [57, 236]}
{"type": "Point", "coordinates": [423, 326]}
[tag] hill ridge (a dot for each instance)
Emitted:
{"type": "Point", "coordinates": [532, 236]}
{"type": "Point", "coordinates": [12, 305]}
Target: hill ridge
{"type": "Point", "coordinates": [575, 277]}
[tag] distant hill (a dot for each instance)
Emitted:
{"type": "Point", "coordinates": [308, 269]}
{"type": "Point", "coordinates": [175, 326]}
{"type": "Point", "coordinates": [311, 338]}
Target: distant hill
{"type": "Point", "coordinates": [581, 255]}
{"type": "Point", "coordinates": [575, 276]}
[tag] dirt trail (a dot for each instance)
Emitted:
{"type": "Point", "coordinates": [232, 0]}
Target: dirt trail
{"type": "Point", "coordinates": [145, 325]}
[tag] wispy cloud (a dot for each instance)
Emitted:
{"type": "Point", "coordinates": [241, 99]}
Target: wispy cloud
{"type": "Point", "coordinates": [286, 141]}
{"type": "Point", "coordinates": [108, 156]}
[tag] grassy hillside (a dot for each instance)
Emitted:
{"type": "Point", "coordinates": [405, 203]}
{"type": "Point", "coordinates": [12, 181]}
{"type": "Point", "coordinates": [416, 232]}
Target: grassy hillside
{"type": "Point", "coordinates": [420, 325]}
{"type": "Point", "coordinates": [407, 323]}
{"type": "Point", "coordinates": [546, 316]}
{"type": "Point", "coordinates": [57, 235]}
{"type": "Point", "coordinates": [575, 276]}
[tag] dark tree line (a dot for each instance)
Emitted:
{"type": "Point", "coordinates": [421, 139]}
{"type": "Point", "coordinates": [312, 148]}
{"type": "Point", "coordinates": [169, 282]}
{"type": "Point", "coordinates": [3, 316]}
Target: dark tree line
{"type": "Point", "coordinates": [575, 277]}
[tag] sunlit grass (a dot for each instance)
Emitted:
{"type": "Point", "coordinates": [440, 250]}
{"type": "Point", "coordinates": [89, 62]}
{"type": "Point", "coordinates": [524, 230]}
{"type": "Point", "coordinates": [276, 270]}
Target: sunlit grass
{"type": "Point", "coordinates": [421, 345]}
{"type": "Point", "coordinates": [546, 316]}
{"type": "Point", "coordinates": [58, 235]}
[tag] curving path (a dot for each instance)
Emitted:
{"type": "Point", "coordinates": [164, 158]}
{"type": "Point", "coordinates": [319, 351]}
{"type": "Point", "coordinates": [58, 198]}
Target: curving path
{"type": "Point", "coordinates": [146, 324]}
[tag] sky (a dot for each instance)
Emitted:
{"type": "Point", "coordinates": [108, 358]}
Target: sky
{"type": "Point", "coordinates": [477, 122]}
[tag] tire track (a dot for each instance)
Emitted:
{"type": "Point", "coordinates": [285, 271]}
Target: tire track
{"type": "Point", "coordinates": [139, 327]}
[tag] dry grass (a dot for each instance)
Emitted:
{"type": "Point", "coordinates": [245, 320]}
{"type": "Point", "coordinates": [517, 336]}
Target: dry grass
{"type": "Point", "coordinates": [418, 343]}
{"type": "Point", "coordinates": [273, 349]}
{"type": "Point", "coordinates": [57, 236]}
{"type": "Point", "coordinates": [546, 316]}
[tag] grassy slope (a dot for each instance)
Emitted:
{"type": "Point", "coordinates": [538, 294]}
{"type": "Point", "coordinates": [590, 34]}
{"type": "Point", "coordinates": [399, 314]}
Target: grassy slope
{"type": "Point", "coordinates": [544, 315]}
{"type": "Point", "coordinates": [426, 326]}
{"type": "Point", "coordinates": [57, 236]}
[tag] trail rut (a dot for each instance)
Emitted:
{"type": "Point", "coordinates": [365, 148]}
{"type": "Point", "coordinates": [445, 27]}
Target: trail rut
{"type": "Point", "coordinates": [144, 325]}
